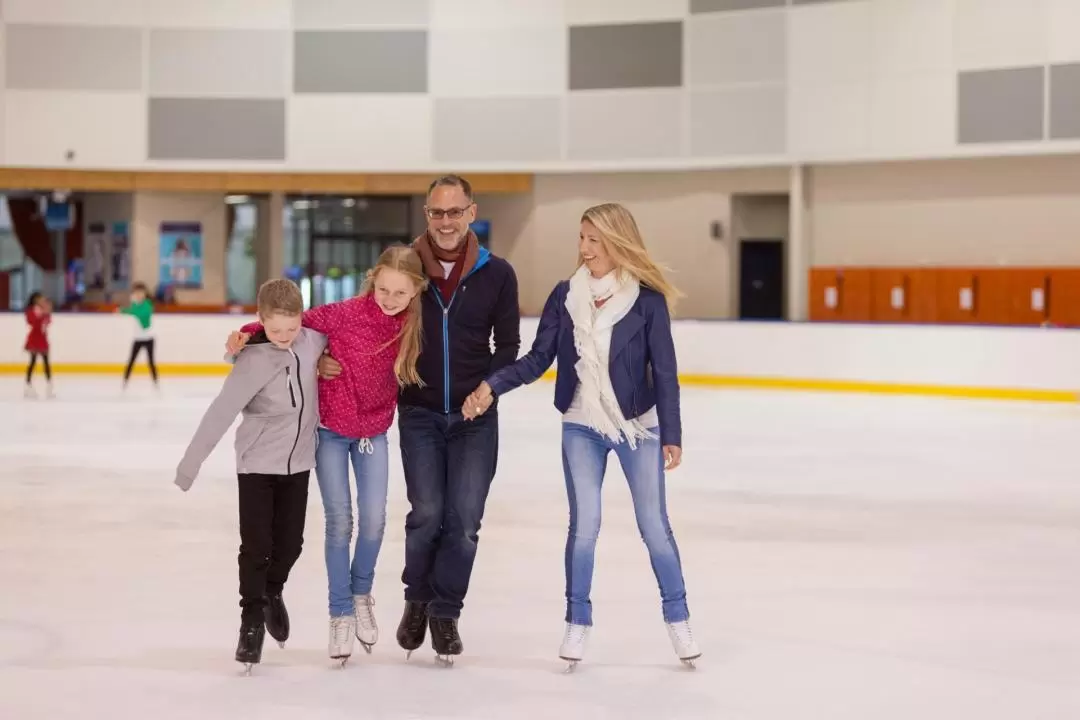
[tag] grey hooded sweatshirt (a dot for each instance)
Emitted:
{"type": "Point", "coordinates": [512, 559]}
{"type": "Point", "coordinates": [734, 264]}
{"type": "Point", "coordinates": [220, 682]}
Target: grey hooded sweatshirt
{"type": "Point", "coordinates": [276, 392]}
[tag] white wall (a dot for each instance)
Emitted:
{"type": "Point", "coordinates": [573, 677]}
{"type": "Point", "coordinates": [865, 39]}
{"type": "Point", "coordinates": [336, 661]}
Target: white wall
{"type": "Point", "coordinates": [788, 83]}
{"type": "Point", "coordinates": [1032, 359]}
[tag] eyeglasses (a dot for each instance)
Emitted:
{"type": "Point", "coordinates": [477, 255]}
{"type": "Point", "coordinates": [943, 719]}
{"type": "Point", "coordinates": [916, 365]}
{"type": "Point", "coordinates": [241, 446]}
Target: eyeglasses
{"type": "Point", "coordinates": [440, 213]}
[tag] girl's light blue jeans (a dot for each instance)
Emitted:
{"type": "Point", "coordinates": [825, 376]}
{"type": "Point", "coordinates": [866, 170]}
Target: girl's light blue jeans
{"type": "Point", "coordinates": [585, 455]}
{"type": "Point", "coordinates": [369, 457]}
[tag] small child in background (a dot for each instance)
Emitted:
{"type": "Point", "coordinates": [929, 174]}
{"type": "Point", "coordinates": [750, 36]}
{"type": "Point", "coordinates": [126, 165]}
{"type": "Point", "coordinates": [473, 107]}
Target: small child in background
{"type": "Point", "coordinates": [142, 309]}
{"type": "Point", "coordinates": [273, 385]}
{"type": "Point", "coordinates": [38, 317]}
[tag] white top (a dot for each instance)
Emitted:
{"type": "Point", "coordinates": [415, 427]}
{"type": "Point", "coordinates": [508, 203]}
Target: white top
{"type": "Point", "coordinates": [576, 413]}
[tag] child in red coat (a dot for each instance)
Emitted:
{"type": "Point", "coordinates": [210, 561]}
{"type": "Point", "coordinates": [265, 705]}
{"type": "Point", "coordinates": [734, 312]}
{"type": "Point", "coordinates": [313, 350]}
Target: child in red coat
{"type": "Point", "coordinates": [38, 317]}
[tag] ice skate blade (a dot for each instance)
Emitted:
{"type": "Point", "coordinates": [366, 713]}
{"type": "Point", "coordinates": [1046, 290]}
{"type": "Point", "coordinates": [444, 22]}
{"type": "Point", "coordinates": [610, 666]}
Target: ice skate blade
{"type": "Point", "coordinates": [447, 661]}
{"type": "Point", "coordinates": [281, 644]}
{"type": "Point", "coordinates": [340, 662]}
{"type": "Point", "coordinates": [690, 662]}
{"type": "Point", "coordinates": [247, 669]}
{"type": "Point", "coordinates": [571, 665]}
{"type": "Point", "coordinates": [367, 648]}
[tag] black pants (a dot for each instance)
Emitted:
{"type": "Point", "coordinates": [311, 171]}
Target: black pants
{"type": "Point", "coordinates": [272, 512]}
{"type": "Point", "coordinates": [136, 346]}
{"type": "Point", "coordinates": [33, 362]}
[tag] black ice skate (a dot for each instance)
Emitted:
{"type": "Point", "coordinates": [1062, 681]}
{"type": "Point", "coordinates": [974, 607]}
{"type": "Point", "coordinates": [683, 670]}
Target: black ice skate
{"type": "Point", "coordinates": [413, 626]}
{"type": "Point", "coordinates": [249, 647]}
{"type": "Point", "coordinates": [277, 618]}
{"type": "Point", "coordinates": [445, 640]}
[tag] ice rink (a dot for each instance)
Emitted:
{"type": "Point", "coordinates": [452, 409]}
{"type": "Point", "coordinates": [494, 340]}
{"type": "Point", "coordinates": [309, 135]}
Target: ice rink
{"type": "Point", "coordinates": [847, 558]}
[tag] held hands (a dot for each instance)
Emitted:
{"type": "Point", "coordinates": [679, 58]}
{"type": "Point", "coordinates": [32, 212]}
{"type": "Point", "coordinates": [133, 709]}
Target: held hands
{"type": "Point", "coordinates": [478, 402]}
{"type": "Point", "coordinates": [236, 342]}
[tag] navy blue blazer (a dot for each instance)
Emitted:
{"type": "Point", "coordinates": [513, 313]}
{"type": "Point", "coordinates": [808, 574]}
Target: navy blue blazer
{"type": "Point", "coordinates": [642, 363]}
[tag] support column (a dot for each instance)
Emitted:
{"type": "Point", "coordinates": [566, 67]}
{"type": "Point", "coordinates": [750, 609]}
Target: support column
{"type": "Point", "coordinates": [799, 246]}
{"type": "Point", "coordinates": [269, 237]}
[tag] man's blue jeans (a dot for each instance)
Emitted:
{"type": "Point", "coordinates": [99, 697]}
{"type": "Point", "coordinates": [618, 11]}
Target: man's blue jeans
{"type": "Point", "coordinates": [449, 464]}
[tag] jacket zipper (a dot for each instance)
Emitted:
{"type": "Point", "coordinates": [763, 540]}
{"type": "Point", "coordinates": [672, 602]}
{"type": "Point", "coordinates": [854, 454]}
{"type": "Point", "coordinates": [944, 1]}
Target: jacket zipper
{"type": "Point", "coordinates": [445, 345]}
{"type": "Point", "coordinates": [446, 333]}
{"type": "Point", "coordinates": [300, 416]}
{"type": "Point", "coordinates": [288, 383]}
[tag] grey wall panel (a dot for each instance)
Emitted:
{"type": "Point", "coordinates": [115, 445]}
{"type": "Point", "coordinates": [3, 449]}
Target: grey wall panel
{"type": "Point", "coordinates": [497, 129]}
{"type": "Point", "coordinates": [711, 6]}
{"type": "Point", "coordinates": [739, 48]}
{"type": "Point", "coordinates": [1065, 102]}
{"type": "Point", "coordinates": [245, 63]}
{"type": "Point", "coordinates": [48, 57]}
{"type": "Point", "coordinates": [361, 62]}
{"type": "Point", "coordinates": [815, 2]}
{"type": "Point", "coordinates": [624, 125]}
{"type": "Point", "coordinates": [1000, 105]}
{"type": "Point", "coordinates": [626, 56]}
{"type": "Point", "coordinates": [216, 129]}
{"type": "Point", "coordinates": [738, 121]}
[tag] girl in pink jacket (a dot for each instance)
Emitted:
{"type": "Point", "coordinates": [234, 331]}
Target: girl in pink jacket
{"type": "Point", "coordinates": [376, 338]}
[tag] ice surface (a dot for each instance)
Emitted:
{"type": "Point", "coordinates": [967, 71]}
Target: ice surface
{"type": "Point", "coordinates": [847, 557]}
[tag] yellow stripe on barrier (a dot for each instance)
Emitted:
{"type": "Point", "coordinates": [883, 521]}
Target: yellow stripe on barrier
{"type": "Point", "coordinates": [688, 379]}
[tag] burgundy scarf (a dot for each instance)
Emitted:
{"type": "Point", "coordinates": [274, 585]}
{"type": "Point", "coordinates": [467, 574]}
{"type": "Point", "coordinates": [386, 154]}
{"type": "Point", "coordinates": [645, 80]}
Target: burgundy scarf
{"type": "Point", "coordinates": [464, 257]}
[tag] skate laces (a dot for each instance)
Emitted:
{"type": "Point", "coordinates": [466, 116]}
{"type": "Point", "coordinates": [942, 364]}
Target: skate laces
{"type": "Point", "coordinates": [342, 632]}
{"type": "Point", "coordinates": [364, 614]}
{"type": "Point", "coordinates": [575, 634]}
{"type": "Point", "coordinates": [682, 632]}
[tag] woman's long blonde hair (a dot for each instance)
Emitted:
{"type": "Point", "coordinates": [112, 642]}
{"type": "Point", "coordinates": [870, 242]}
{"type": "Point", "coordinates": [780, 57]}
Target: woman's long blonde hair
{"type": "Point", "coordinates": [406, 261]}
{"type": "Point", "coordinates": [623, 241]}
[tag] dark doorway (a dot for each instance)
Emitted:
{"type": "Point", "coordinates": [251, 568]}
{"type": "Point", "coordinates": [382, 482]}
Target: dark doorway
{"type": "Point", "coordinates": [761, 280]}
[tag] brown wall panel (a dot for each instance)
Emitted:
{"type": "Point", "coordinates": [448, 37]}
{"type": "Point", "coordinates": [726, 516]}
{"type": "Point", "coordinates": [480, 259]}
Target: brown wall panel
{"type": "Point", "coordinates": [1064, 296]}
{"type": "Point", "coordinates": [1028, 296]}
{"type": "Point", "coordinates": [855, 294]}
{"type": "Point", "coordinates": [955, 287]}
{"type": "Point", "coordinates": [993, 295]}
{"type": "Point", "coordinates": [891, 295]}
{"type": "Point", "coordinates": [824, 285]}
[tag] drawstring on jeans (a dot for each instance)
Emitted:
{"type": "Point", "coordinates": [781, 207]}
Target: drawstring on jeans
{"type": "Point", "coordinates": [365, 446]}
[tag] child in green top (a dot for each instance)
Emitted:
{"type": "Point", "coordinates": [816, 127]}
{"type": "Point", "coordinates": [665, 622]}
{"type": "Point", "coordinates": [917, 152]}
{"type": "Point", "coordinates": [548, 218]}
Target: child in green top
{"type": "Point", "coordinates": [142, 309]}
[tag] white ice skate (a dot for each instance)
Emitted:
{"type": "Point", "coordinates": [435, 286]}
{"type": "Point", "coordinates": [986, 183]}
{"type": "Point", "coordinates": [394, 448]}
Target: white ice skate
{"type": "Point", "coordinates": [367, 630]}
{"type": "Point", "coordinates": [29, 393]}
{"type": "Point", "coordinates": [572, 649]}
{"type": "Point", "coordinates": [682, 639]}
{"type": "Point", "coordinates": [342, 632]}
{"type": "Point", "coordinates": [49, 391]}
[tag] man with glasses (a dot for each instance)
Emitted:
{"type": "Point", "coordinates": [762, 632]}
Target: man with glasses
{"type": "Point", "coordinates": [449, 462]}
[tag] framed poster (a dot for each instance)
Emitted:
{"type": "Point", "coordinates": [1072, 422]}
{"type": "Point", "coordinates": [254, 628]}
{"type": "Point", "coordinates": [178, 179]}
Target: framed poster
{"type": "Point", "coordinates": [180, 252]}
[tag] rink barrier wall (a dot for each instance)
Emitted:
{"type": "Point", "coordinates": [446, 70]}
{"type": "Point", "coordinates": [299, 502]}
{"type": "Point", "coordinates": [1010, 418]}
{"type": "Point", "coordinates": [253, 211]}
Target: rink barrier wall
{"type": "Point", "coordinates": [992, 363]}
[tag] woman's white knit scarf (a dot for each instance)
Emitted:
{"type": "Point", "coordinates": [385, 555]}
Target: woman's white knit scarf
{"type": "Point", "coordinates": [592, 340]}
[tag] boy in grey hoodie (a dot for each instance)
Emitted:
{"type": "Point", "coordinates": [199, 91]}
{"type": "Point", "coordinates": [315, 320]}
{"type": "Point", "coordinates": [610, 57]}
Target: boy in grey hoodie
{"type": "Point", "coordinates": [273, 385]}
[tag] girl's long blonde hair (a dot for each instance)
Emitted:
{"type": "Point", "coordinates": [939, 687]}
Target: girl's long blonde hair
{"type": "Point", "coordinates": [407, 261]}
{"type": "Point", "coordinates": [623, 241]}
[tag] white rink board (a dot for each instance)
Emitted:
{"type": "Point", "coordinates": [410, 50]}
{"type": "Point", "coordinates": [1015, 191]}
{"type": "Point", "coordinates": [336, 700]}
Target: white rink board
{"type": "Point", "coordinates": [1023, 358]}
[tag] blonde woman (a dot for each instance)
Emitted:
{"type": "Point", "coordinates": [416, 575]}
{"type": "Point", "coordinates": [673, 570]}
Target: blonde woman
{"type": "Point", "coordinates": [377, 337]}
{"type": "Point", "coordinates": [609, 327]}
